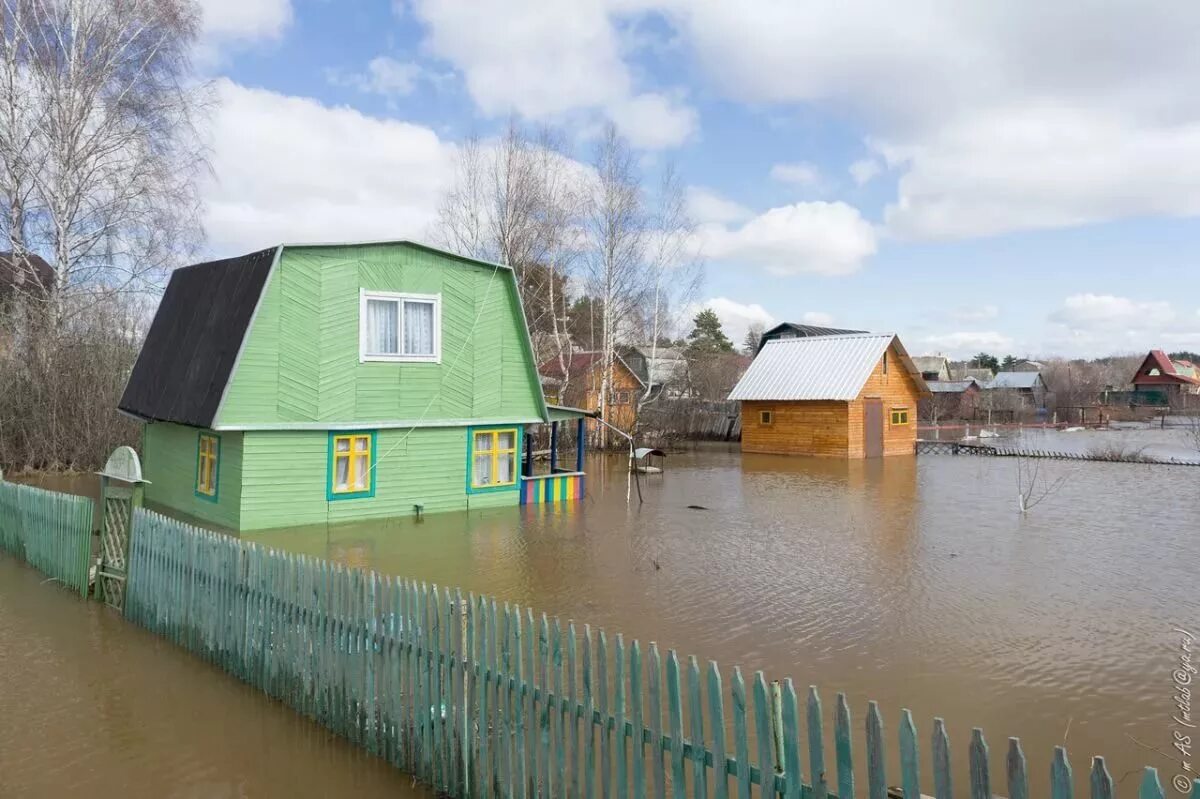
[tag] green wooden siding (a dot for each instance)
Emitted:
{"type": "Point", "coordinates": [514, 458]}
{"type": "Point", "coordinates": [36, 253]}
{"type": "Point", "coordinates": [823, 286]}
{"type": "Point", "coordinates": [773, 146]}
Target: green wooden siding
{"type": "Point", "coordinates": [169, 461]}
{"type": "Point", "coordinates": [300, 360]}
{"type": "Point", "coordinates": [286, 477]}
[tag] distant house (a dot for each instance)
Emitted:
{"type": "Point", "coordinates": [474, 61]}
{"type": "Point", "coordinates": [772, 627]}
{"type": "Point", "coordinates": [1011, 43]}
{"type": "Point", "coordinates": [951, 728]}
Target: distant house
{"type": "Point", "coordinates": [951, 399]}
{"type": "Point", "coordinates": [980, 373]}
{"type": "Point", "coordinates": [663, 369]}
{"type": "Point", "coordinates": [786, 330]}
{"type": "Point", "coordinates": [28, 275]}
{"type": "Point", "coordinates": [1159, 376]}
{"type": "Point", "coordinates": [843, 396]}
{"type": "Point", "coordinates": [1026, 365]}
{"type": "Point", "coordinates": [934, 367]}
{"type": "Point", "coordinates": [584, 381]}
{"type": "Point", "coordinates": [1016, 391]}
{"type": "Point", "coordinates": [307, 384]}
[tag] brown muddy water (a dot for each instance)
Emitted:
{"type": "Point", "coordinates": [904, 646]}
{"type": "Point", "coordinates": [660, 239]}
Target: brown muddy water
{"type": "Point", "coordinates": [916, 583]}
{"type": "Point", "coordinates": [91, 705]}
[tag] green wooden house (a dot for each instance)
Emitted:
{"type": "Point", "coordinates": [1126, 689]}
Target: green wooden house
{"type": "Point", "coordinates": [308, 384]}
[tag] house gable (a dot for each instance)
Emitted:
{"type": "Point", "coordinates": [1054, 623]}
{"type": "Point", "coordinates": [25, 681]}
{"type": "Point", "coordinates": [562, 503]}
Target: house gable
{"type": "Point", "coordinates": [300, 366]}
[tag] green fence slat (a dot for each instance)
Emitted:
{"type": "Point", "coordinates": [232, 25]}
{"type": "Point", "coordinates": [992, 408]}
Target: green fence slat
{"type": "Point", "coordinates": [1101, 780]}
{"type": "Point", "coordinates": [601, 688]}
{"type": "Point", "coordinates": [589, 708]}
{"type": "Point", "coordinates": [910, 757]}
{"type": "Point", "coordinates": [943, 787]}
{"type": "Point", "coordinates": [696, 713]}
{"type": "Point", "coordinates": [621, 781]}
{"type": "Point", "coordinates": [544, 711]}
{"type": "Point", "coordinates": [1060, 775]}
{"type": "Point", "coordinates": [560, 738]}
{"type": "Point", "coordinates": [572, 666]}
{"type": "Point", "coordinates": [791, 741]}
{"type": "Point", "coordinates": [1150, 787]}
{"type": "Point", "coordinates": [762, 731]}
{"type": "Point", "coordinates": [876, 764]}
{"type": "Point", "coordinates": [981, 784]}
{"type": "Point", "coordinates": [522, 671]}
{"type": "Point", "coordinates": [657, 764]}
{"type": "Point", "coordinates": [716, 709]}
{"type": "Point", "coordinates": [638, 743]}
{"type": "Point", "coordinates": [816, 744]}
{"type": "Point", "coordinates": [675, 726]}
{"type": "Point", "coordinates": [740, 735]}
{"type": "Point", "coordinates": [844, 749]}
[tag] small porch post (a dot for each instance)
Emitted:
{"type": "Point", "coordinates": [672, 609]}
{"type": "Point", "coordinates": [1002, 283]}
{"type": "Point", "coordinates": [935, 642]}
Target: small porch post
{"type": "Point", "coordinates": [579, 438]}
{"type": "Point", "coordinates": [553, 447]}
{"type": "Point", "coordinates": [528, 470]}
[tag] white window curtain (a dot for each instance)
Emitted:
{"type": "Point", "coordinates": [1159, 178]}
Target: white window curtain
{"type": "Point", "coordinates": [383, 327]}
{"type": "Point", "coordinates": [418, 328]}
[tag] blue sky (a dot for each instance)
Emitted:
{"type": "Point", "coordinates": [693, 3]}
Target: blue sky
{"type": "Point", "coordinates": [972, 175]}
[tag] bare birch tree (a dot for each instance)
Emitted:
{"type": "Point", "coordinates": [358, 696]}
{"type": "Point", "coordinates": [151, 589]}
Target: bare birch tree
{"type": "Point", "coordinates": [100, 157]}
{"type": "Point", "coordinates": [103, 152]}
{"type": "Point", "coordinates": [517, 201]}
{"type": "Point", "coordinates": [673, 267]}
{"type": "Point", "coordinates": [616, 229]}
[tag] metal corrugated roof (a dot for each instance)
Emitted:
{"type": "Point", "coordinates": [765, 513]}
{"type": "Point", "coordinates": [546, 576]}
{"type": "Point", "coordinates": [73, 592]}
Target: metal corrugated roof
{"type": "Point", "coordinates": [1014, 380]}
{"type": "Point", "coordinates": [817, 368]}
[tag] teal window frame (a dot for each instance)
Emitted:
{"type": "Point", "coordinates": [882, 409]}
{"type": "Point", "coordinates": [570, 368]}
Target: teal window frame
{"type": "Point", "coordinates": [518, 444]}
{"type": "Point", "coordinates": [330, 494]}
{"type": "Point", "coordinates": [215, 496]}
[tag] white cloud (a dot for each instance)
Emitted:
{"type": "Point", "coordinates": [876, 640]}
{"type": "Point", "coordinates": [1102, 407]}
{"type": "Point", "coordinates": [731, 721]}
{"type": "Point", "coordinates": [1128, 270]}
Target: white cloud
{"type": "Point", "coordinates": [964, 343]}
{"type": "Point", "coordinates": [245, 19]}
{"type": "Point", "coordinates": [865, 170]}
{"type": "Point", "coordinates": [821, 238]}
{"type": "Point", "coordinates": [818, 318]}
{"type": "Point", "coordinates": [736, 318]}
{"type": "Point", "coordinates": [342, 175]}
{"type": "Point", "coordinates": [1085, 311]}
{"type": "Point", "coordinates": [544, 60]}
{"type": "Point", "coordinates": [654, 121]}
{"type": "Point", "coordinates": [1000, 115]}
{"type": "Point", "coordinates": [384, 76]}
{"type": "Point", "coordinates": [800, 173]}
{"type": "Point", "coordinates": [975, 313]}
{"type": "Point", "coordinates": [706, 206]}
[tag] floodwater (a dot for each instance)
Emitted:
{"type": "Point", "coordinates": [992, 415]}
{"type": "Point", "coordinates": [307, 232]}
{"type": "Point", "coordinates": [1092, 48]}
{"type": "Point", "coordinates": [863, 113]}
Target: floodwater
{"type": "Point", "coordinates": [91, 705]}
{"type": "Point", "coordinates": [913, 582]}
{"type": "Point", "coordinates": [916, 583]}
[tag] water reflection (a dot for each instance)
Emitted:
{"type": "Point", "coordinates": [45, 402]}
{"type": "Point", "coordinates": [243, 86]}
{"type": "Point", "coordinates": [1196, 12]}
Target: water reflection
{"type": "Point", "coordinates": [913, 582]}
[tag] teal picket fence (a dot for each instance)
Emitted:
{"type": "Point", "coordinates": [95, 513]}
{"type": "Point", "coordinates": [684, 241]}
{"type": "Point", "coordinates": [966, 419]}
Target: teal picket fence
{"type": "Point", "coordinates": [479, 698]}
{"type": "Point", "coordinates": [49, 530]}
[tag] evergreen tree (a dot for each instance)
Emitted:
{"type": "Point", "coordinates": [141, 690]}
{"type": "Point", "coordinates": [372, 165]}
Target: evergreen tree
{"type": "Point", "coordinates": [985, 361]}
{"type": "Point", "coordinates": [707, 335]}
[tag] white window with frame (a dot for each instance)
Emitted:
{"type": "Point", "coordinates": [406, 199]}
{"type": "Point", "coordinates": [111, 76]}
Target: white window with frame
{"type": "Point", "coordinates": [400, 327]}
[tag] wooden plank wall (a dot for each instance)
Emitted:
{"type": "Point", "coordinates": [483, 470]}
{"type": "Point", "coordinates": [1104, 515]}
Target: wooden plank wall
{"type": "Point", "coordinates": [482, 698]}
{"type": "Point", "coordinates": [897, 389]}
{"type": "Point", "coordinates": [50, 531]}
{"type": "Point", "coordinates": [796, 428]}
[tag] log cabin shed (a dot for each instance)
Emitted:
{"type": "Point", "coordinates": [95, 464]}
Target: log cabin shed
{"type": "Point", "coordinates": [839, 396]}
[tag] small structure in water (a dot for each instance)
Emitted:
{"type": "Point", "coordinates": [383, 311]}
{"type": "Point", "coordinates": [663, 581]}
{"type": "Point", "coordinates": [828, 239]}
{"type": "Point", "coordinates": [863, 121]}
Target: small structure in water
{"type": "Point", "coordinates": [643, 460]}
{"type": "Point", "coordinates": [842, 396]}
{"type": "Point", "coordinates": [323, 383]}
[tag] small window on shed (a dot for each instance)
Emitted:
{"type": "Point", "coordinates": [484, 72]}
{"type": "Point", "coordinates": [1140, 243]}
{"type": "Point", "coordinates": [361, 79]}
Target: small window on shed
{"type": "Point", "coordinates": [899, 416]}
{"type": "Point", "coordinates": [766, 417]}
{"type": "Point", "coordinates": [885, 362]}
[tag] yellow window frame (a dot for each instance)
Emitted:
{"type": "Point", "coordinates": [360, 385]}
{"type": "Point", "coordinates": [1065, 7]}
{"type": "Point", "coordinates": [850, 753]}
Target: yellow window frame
{"type": "Point", "coordinates": [355, 447]}
{"type": "Point", "coordinates": [207, 449]}
{"type": "Point", "coordinates": [766, 417]}
{"type": "Point", "coordinates": [495, 451]}
{"type": "Point", "coordinates": [899, 417]}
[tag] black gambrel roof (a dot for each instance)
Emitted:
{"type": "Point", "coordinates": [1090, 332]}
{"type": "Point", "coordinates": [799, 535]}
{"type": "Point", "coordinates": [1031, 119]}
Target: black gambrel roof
{"type": "Point", "coordinates": [189, 353]}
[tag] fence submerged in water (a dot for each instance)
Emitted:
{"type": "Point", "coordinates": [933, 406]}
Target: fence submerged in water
{"type": "Point", "coordinates": [478, 698]}
{"type": "Point", "coordinates": [50, 531]}
{"type": "Point", "coordinates": [926, 447]}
